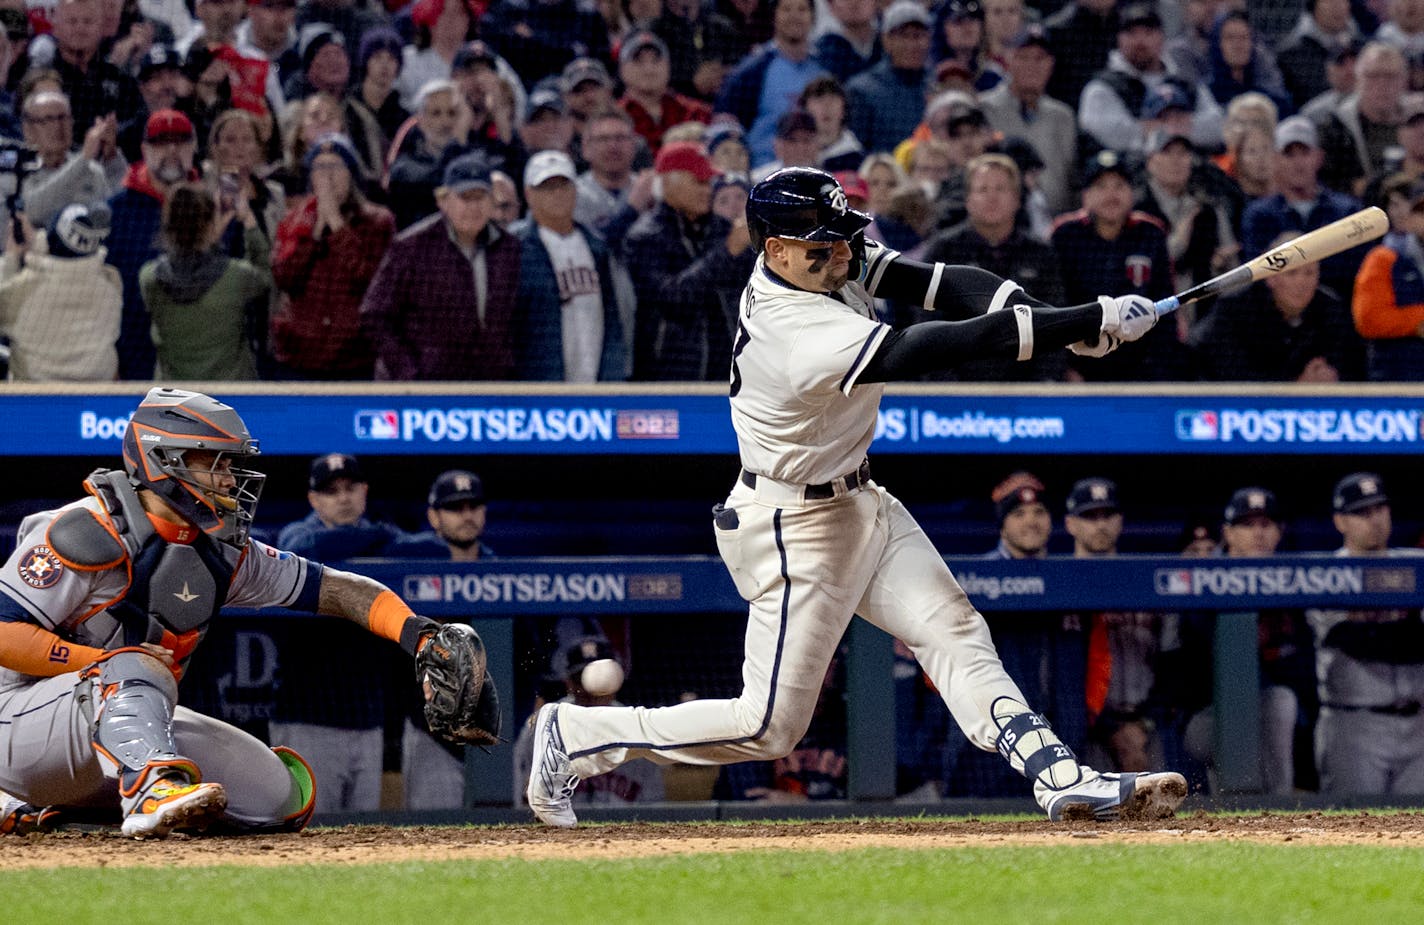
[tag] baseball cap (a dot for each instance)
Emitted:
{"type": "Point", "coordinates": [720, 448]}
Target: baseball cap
{"type": "Point", "coordinates": [1138, 14]}
{"type": "Point", "coordinates": [545, 99]}
{"type": "Point", "coordinates": [159, 57]}
{"type": "Point", "coordinates": [472, 53]}
{"type": "Point", "coordinates": [1166, 95]}
{"type": "Point", "coordinates": [685, 155]}
{"type": "Point", "coordinates": [546, 165]}
{"type": "Point", "coordinates": [1092, 494]}
{"type": "Point", "coordinates": [466, 172]}
{"type": "Point", "coordinates": [1358, 491]}
{"type": "Point", "coordinates": [78, 229]}
{"type": "Point", "coordinates": [1252, 502]}
{"type": "Point", "coordinates": [168, 124]}
{"type": "Point", "coordinates": [1014, 492]}
{"type": "Point", "coordinates": [1160, 139]}
{"type": "Point", "coordinates": [963, 9]}
{"type": "Point", "coordinates": [1105, 162]}
{"type": "Point", "coordinates": [903, 13]}
{"type": "Point", "coordinates": [793, 121]}
{"type": "Point", "coordinates": [638, 41]}
{"type": "Point", "coordinates": [1032, 34]}
{"type": "Point", "coordinates": [854, 185]}
{"type": "Point", "coordinates": [325, 469]}
{"type": "Point", "coordinates": [582, 651]}
{"type": "Point", "coordinates": [1024, 155]}
{"type": "Point", "coordinates": [582, 70]}
{"type": "Point", "coordinates": [719, 132]}
{"type": "Point", "coordinates": [454, 486]}
{"type": "Point", "coordinates": [1296, 130]}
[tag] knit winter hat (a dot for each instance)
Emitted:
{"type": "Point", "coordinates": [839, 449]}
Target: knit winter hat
{"type": "Point", "coordinates": [334, 143]}
{"type": "Point", "coordinates": [78, 230]}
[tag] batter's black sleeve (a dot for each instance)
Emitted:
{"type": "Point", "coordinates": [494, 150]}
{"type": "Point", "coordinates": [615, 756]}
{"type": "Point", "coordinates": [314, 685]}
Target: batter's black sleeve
{"type": "Point", "coordinates": [938, 345]}
{"type": "Point", "coordinates": [955, 291]}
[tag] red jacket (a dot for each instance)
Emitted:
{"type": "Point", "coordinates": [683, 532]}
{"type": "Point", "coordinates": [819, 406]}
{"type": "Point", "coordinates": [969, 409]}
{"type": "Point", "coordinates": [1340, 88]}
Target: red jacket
{"type": "Point", "coordinates": [318, 328]}
{"type": "Point", "coordinates": [676, 109]}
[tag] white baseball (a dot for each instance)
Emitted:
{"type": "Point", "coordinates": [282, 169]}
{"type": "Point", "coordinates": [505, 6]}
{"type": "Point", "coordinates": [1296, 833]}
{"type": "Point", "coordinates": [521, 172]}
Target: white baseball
{"type": "Point", "coordinates": [602, 677]}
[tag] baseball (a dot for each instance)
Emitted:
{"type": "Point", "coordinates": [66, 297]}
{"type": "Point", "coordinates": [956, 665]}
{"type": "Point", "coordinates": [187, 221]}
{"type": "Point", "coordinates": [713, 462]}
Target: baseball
{"type": "Point", "coordinates": [602, 677]}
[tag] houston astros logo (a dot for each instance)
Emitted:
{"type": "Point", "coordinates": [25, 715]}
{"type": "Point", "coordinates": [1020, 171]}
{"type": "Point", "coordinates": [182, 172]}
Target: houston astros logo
{"type": "Point", "coordinates": [40, 568]}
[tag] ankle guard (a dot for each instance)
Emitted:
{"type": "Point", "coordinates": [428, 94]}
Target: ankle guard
{"type": "Point", "coordinates": [1029, 745]}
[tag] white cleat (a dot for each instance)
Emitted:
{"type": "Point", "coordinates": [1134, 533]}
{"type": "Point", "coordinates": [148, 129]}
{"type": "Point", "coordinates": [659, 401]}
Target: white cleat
{"type": "Point", "coordinates": [174, 804]}
{"type": "Point", "coordinates": [1130, 797]}
{"type": "Point", "coordinates": [551, 783]}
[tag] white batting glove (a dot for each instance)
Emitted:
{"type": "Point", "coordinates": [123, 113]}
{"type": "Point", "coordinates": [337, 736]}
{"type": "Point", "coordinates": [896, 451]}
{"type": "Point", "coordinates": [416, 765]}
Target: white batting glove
{"type": "Point", "coordinates": [1127, 317]}
{"type": "Point", "coordinates": [1106, 344]}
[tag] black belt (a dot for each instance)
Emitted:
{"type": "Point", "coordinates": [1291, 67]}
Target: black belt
{"type": "Point", "coordinates": [1405, 708]}
{"type": "Point", "coordinates": [825, 490]}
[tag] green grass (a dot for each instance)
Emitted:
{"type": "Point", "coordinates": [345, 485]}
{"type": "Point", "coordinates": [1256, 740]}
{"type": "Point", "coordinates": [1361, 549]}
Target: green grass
{"type": "Point", "coordinates": [1237, 882]}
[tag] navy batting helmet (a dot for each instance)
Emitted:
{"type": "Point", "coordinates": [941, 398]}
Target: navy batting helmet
{"type": "Point", "coordinates": [169, 423]}
{"type": "Point", "coordinates": [804, 204]}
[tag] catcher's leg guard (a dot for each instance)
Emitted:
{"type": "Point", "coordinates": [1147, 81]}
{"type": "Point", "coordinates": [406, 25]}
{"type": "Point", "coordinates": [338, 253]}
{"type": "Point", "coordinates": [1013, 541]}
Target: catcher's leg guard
{"type": "Point", "coordinates": [1030, 746]}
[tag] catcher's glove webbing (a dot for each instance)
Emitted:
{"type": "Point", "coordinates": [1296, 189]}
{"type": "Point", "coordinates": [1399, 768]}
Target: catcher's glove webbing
{"type": "Point", "coordinates": [461, 703]}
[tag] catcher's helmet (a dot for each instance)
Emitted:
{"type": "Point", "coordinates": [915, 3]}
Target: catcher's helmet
{"type": "Point", "coordinates": [167, 424]}
{"type": "Point", "coordinates": [804, 204]}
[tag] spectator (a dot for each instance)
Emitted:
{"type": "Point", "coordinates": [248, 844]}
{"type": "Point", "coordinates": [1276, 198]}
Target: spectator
{"type": "Point", "coordinates": [95, 87]}
{"type": "Point", "coordinates": [990, 238]}
{"type": "Point", "coordinates": [639, 781]}
{"type": "Point", "coordinates": [1080, 35]}
{"type": "Point", "coordinates": [496, 105]}
{"type": "Point", "coordinates": [569, 326]}
{"type": "Point", "coordinates": [547, 125]}
{"type": "Point", "coordinates": [330, 711]}
{"type": "Point", "coordinates": [317, 115]}
{"type": "Point", "coordinates": [1109, 108]}
{"type": "Point", "coordinates": [1389, 299]}
{"type": "Point", "coordinates": [269, 34]}
{"type": "Point", "coordinates": [348, 17]}
{"type": "Point", "coordinates": [1200, 239]}
{"type": "Point", "coordinates": [794, 144]}
{"type": "Point", "coordinates": [1127, 719]}
{"type": "Point", "coordinates": [1355, 136]}
{"type": "Point", "coordinates": [687, 265]}
{"type": "Point", "coordinates": [209, 90]}
{"type": "Point", "coordinates": [754, 21]}
{"type": "Point", "coordinates": [325, 67]}
{"type": "Point", "coordinates": [882, 175]}
{"type": "Point", "coordinates": [1019, 108]}
{"type": "Point", "coordinates": [432, 769]}
{"type": "Point", "coordinates": [849, 42]}
{"type": "Point", "coordinates": [1251, 159]}
{"type": "Point", "coordinates": [1301, 204]}
{"type": "Point", "coordinates": [957, 36]}
{"type": "Point", "coordinates": [373, 101]}
{"type": "Point", "coordinates": [1238, 63]}
{"type": "Point", "coordinates": [703, 46]}
{"type": "Point", "coordinates": [1324, 28]}
{"type": "Point", "coordinates": [1107, 248]}
{"type": "Point", "coordinates": [1283, 329]}
{"type": "Point", "coordinates": [235, 150]}
{"type": "Point", "coordinates": [768, 80]}
{"type": "Point", "coordinates": [168, 148]}
{"type": "Point", "coordinates": [158, 81]}
{"type": "Point", "coordinates": [61, 312]}
{"type": "Point", "coordinates": [1410, 136]}
{"type": "Point", "coordinates": [837, 148]}
{"type": "Point", "coordinates": [442, 29]}
{"type": "Point", "coordinates": [1339, 83]}
{"type": "Point", "coordinates": [645, 69]}
{"type": "Point", "coordinates": [539, 37]}
{"type": "Point", "coordinates": [64, 175]}
{"type": "Point", "coordinates": [587, 90]}
{"type": "Point", "coordinates": [443, 118]}
{"type": "Point", "coordinates": [887, 101]}
{"type": "Point", "coordinates": [442, 302]}
{"type": "Point", "coordinates": [1404, 29]}
{"type": "Point", "coordinates": [909, 214]}
{"type": "Point", "coordinates": [328, 249]}
{"type": "Point", "coordinates": [199, 298]}
{"type": "Point", "coordinates": [611, 195]}
{"type": "Point", "coordinates": [505, 207]}
{"type": "Point", "coordinates": [726, 146]}
{"type": "Point", "coordinates": [216, 26]}
{"type": "Point", "coordinates": [1003, 21]}
{"type": "Point", "coordinates": [729, 193]}
{"type": "Point", "coordinates": [1369, 666]}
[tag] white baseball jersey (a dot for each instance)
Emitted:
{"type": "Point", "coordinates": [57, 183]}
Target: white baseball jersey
{"type": "Point", "coordinates": [797, 410]}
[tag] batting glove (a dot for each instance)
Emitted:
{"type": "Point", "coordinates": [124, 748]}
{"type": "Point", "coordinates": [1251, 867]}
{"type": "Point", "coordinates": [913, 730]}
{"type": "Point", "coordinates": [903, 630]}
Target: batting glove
{"type": "Point", "coordinates": [1127, 317]}
{"type": "Point", "coordinates": [1106, 344]}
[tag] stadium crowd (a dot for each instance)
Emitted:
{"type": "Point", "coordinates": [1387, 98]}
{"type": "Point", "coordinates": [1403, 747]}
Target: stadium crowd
{"type": "Point", "coordinates": [553, 189]}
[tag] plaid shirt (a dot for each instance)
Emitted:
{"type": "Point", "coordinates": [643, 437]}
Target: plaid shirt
{"type": "Point", "coordinates": [676, 109]}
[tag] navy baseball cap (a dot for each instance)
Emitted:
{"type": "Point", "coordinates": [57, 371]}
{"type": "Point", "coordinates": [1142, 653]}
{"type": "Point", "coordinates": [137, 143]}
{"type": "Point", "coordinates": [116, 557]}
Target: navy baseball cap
{"type": "Point", "coordinates": [466, 172]}
{"type": "Point", "coordinates": [475, 52]}
{"type": "Point", "coordinates": [545, 100]}
{"type": "Point", "coordinates": [454, 487]}
{"type": "Point", "coordinates": [1132, 15]}
{"type": "Point", "coordinates": [332, 466]}
{"type": "Point", "coordinates": [1358, 491]}
{"type": "Point", "coordinates": [159, 57]}
{"type": "Point", "coordinates": [1103, 162]}
{"type": "Point", "coordinates": [1092, 494]}
{"type": "Point", "coordinates": [1166, 95]}
{"type": "Point", "coordinates": [1252, 502]}
{"type": "Point", "coordinates": [1032, 34]}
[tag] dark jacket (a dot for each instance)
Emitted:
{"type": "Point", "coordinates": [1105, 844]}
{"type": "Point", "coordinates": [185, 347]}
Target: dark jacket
{"type": "Point", "coordinates": [741, 91]}
{"type": "Point", "coordinates": [691, 43]}
{"type": "Point", "coordinates": [538, 331]}
{"type": "Point", "coordinates": [539, 37]}
{"type": "Point", "coordinates": [313, 539]}
{"type": "Point", "coordinates": [885, 104]}
{"type": "Point", "coordinates": [1267, 217]}
{"type": "Point", "coordinates": [1245, 339]}
{"type": "Point", "coordinates": [133, 241]}
{"type": "Point", "coordinates": [688, 286]}
{"type": "Point", "coordinates": [422, 310]}
{"type": "Point", "coordinates": [839, 56]}
{"type": "Point", "coordinates": [102, 89]}
{"type": "Point", "coordinates": [1081, 41]}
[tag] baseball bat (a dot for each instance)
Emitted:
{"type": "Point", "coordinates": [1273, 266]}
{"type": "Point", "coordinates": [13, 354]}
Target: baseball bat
{"type": "Point", "coordinates": [1350, 231]}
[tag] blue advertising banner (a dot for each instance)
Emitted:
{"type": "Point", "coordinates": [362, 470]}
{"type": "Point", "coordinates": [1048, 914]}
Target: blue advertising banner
{"type": "Point", "coordinates": [629, 423]}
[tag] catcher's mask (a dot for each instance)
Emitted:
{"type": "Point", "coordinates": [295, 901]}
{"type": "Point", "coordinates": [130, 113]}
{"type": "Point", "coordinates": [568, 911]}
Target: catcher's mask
{"type": "Point", "coordinates": [167, 425]}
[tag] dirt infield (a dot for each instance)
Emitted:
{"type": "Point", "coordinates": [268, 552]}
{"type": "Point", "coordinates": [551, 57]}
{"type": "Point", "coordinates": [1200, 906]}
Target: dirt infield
{"type": "Point", "coordinates": [375, 844]}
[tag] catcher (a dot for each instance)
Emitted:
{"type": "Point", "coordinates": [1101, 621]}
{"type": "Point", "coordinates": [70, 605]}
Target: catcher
{"type": "Point", "coordinates": [105, 599]}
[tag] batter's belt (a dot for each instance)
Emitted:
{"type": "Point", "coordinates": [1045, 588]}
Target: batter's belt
{"type": "Point", "coordinates": [796, 491]}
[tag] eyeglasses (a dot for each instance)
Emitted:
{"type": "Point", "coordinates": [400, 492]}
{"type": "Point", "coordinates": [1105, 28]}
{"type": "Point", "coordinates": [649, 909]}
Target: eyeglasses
{"type": "Point", "coordinates": [47, 120]}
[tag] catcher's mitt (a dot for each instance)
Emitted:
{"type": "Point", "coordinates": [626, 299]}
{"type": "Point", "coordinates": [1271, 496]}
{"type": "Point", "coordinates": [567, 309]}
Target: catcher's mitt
{"type": "Point", "coordinates": [461, 703]}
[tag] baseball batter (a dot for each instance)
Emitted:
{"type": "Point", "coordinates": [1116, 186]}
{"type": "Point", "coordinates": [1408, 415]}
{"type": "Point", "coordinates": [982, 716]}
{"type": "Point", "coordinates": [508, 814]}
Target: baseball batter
{"type": "Point", "coordinates": [810, 540]}
{"type": "Point", "coordinates": [105, 599]}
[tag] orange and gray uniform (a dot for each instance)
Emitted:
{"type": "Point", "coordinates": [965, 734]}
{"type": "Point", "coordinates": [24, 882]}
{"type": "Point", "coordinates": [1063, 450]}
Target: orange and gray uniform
{"type": "Point", "coordinates": [86, 584]}
{"type": "Point", "coordinates": [1389, 308]}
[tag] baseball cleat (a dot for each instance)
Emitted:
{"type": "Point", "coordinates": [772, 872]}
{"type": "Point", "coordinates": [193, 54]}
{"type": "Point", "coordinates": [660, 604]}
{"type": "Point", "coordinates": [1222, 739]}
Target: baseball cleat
{"type": "Point", "coordinates": [173, 803]}
{"type": "Point", "coordinates": [551, 782]}
{"type": "Point", "coordinates": [1129, 797]}
{"type": "Point", "coordinates": [20, 818]}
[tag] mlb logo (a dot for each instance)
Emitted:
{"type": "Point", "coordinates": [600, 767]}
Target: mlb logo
{"type": "Point", "coordinates": [377, 425]}
{"type": "Point", "coordinates": [424, 588]}
{"type": "Point", "coordinates": [1173, 581]}
{"type": "Point", "coordinates": [1198, 425]}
